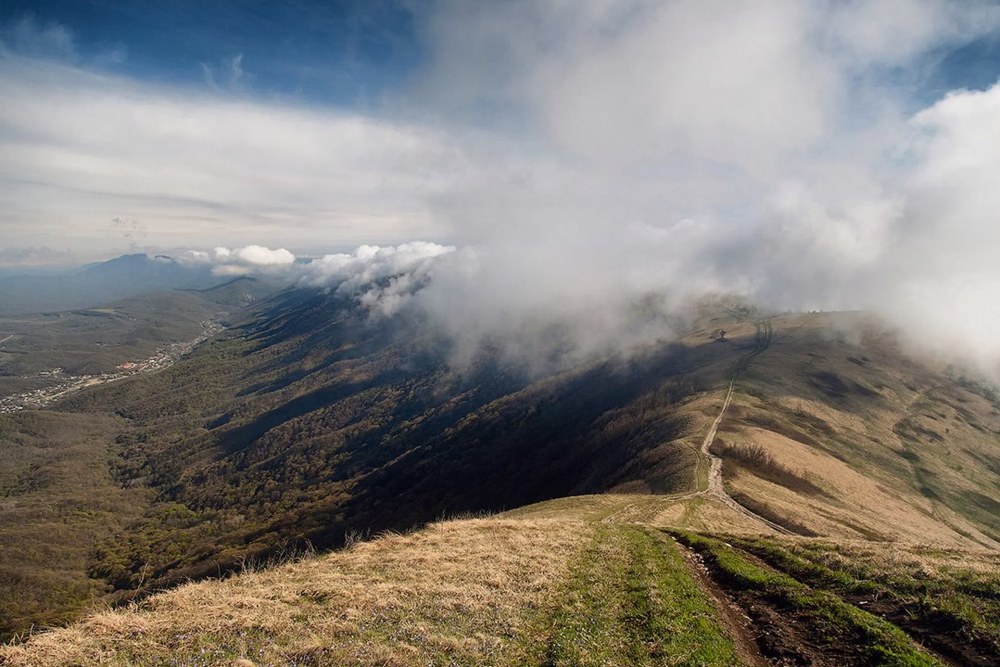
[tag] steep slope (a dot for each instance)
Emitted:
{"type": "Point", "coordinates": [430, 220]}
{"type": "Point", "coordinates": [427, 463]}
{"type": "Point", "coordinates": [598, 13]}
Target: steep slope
{"type": "Point", "coordinates": [842, 434]}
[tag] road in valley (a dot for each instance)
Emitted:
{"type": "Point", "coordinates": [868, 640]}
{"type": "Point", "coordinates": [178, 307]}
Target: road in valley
{"type": "Point", "coordinates": [64, 385]}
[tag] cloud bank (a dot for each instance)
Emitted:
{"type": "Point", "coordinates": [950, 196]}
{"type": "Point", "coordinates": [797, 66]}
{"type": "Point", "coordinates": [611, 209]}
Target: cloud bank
{"type": "Point", "coordinates": [779, 154]}
{"type": "Point", "coordinates": [80, 147]}
{"type": "Point", "coordinates": [585, 167]}
{"type": "Point", "coordinates": [382, 280]}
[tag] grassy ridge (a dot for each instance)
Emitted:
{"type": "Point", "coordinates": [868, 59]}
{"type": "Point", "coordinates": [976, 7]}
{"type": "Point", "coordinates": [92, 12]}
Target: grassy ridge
{"type": "Point", "coordinates": [456, 593]}
{"type": "Point", "coordinates": [862, 440]}
{"type": "Point", "coordinates": [472, 592]}
{"type": "Point", "coordinates": [519, 589]}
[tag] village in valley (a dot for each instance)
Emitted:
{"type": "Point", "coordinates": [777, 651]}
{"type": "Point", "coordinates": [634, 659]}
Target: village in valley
{"type": "Point", "coordinates": [63, 385]}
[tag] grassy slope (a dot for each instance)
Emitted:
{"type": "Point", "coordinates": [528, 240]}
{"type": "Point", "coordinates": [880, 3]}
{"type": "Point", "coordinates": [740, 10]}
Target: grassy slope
{"type": "Point", "coordinates": [868, 443]}
{"type": "Point", "coordinates": [497, 591]}
{"type": "Point", "coordinates": [630, 600]}
{"type": "Point", "coordinates": [552, 584]}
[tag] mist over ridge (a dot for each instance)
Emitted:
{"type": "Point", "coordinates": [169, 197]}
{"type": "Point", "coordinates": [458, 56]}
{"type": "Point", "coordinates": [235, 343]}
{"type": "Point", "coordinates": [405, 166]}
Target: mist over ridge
{"type": "Point", "coordinates": [555, 164]}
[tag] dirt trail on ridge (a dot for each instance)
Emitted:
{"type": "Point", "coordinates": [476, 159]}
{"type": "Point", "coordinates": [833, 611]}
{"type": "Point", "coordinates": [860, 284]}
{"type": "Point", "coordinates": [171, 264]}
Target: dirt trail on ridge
{"type": "Point", "coordinates": [716, 489]}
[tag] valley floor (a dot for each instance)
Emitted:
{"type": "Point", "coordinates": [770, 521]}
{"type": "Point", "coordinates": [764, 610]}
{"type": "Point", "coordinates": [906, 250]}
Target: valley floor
{"type": "Point", "coordinates": [594, 580]}
{"type": "Point", "coordinates": [55, 385]}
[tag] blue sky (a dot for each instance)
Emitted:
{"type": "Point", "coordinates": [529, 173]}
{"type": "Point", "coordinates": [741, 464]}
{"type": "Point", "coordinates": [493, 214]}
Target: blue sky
{"type": "Point", "coordinates": [344, 53]}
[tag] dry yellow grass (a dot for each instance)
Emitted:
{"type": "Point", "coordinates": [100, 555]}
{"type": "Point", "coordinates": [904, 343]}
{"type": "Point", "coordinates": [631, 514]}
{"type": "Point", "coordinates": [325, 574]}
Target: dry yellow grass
{"type": "Point", "coordinates": [715, 517]}
{"type": "Point", "coordinates": [460, 589]}
{"type": "Point", "coordinates": [466, 592]}
{"type": "Point", "coordinates": [595, 507]}
{"type": "Point", "coordinates": [915, 560]}
{"type": "Point", "coordinates": [903, 450]}
{"type": "Point", "coordinates": [863, 507]}
{"type": "Point", "coordinates": [681, 511]}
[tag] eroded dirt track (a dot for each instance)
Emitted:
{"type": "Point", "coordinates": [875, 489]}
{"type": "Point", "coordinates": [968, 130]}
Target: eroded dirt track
{"type": "Point", "coordinates": [736, 623]}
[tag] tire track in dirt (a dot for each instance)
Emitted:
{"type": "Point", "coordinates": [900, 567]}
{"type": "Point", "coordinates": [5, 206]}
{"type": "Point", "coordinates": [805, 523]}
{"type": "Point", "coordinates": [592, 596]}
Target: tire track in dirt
{"type": "Point", "coordinates": [783, 636]}
{"type": "Point", "coordinates": [736, 624]}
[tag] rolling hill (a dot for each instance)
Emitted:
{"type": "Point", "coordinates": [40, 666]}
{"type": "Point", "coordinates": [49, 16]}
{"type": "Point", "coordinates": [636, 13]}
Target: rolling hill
{"type": "Point", "coordinates": [308, 424]}
{"type": "Point", "coordinates": [96, 284]}
{"type": "Point", "coordinates": [238, 292]}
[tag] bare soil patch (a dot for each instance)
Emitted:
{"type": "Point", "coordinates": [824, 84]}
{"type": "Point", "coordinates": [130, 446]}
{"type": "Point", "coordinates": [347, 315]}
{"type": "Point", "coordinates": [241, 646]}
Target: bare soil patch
{"type": "Point", "coordinates": [735, 622]}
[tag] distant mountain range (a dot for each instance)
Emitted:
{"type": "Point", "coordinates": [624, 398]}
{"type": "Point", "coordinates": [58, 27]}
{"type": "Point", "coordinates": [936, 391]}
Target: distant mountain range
{"type": "Point", "coordinates": [96, 284]}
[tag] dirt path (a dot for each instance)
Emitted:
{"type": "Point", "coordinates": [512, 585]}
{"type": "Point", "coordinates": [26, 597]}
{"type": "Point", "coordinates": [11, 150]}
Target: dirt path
{"type": "Point", "coordinates": [736, 624]}
{"type": "Point", "coordinates": [781, 637]}
{"type": "Point", "coordinates": [716, 489]}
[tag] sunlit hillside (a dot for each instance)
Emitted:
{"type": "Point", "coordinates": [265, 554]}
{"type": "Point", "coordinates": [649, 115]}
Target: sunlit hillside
{"type": "Point", "coordinates": [597, 580]}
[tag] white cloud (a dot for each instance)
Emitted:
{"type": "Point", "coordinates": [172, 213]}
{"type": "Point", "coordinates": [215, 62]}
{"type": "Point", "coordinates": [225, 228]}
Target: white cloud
{"type": "Point", "coordinates": [260, 256]}
{"type": "Point", "coordinates": [770, 153]}
{"type": "Point", "coordinates": [382, 279]}
{"type": "Point", "coordinates": [91, 147]}
{"type": "Point", "coordinates": [248, 259]}
{"type": "Point", "coordinates": [585, 157]}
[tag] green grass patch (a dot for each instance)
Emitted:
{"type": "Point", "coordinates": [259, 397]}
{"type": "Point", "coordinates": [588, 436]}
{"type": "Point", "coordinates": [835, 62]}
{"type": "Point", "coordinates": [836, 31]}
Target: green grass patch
{"type": "Point", "coordinates": [631, 601]}
{"type": "Point", "coordinates": [803, 569]}
{"type": "Point", "coordinates": [830, 619]}
{"type": "Point", "coordinates": [957, 599]}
